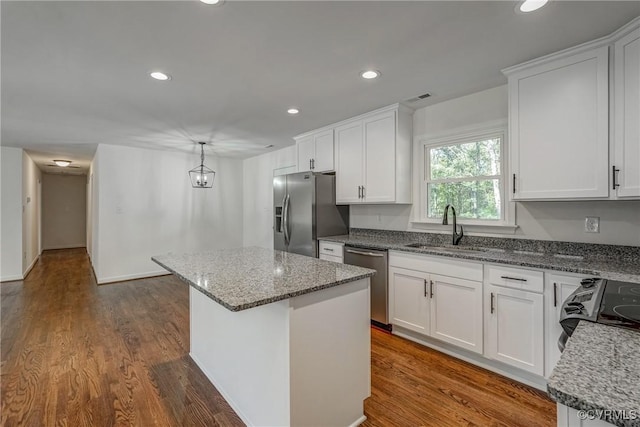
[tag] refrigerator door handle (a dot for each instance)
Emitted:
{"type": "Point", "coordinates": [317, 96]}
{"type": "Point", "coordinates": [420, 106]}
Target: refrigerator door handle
{"type": "Point", "coordinates": [284, 201]}
{"type": "Point", "coordinates": [285, 219]}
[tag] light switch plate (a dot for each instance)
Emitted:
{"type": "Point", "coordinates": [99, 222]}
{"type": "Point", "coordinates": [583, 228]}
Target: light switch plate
{"type": "Point", "coordinates": [592, 224]}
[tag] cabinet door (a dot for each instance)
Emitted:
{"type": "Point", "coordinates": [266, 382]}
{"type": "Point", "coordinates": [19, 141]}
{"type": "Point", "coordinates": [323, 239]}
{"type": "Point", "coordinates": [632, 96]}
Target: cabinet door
{"type": "Point", "coordinates": [349, 162]}
{"type": "Point", "coordinates": [331, 258]}
{"type": "Point", "coordinates": [380, 155]}
{"type": "Point", "coordinates": [559, 288]}
{"type": "Point", "coordinates": [305, 153]}
{"type": "Point", "coordinates": [409, 300]}
{"type": "Point", "coordinates": [558, 121]}
{"type": "Point", "coordinates": [456, 311]}
{"type": "Point", "coordinates": [516, 333]}
{"type": "Point", "coordinates": [323, 158]}
{"type": "Point", "coordinates": [627, 116]}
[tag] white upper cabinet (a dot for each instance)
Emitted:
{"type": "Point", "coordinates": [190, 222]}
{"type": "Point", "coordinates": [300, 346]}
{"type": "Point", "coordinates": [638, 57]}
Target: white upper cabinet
{"type": "Point", "coordinates": [315, 151]}
{"type": "Point", "coordinates": [373, 157]}
{"type": "Point", "coordinates": [562, 146]}
{"type": "Point", "coordinates": [626, 117]}
{"type": "Point", "coordinates": [349, 164]}
{"type": "Point", "coordinates": [306, 151]}
{"type": "Point", "coordinates": [558, 127]}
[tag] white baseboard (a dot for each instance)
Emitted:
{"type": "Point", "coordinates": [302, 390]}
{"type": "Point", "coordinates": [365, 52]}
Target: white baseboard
{"type": "Point", "coordinates": [103, 280]}
{"type": "Point", "coordinates": [516, 374]}
{"type": "Point", "coordinates": [28, 270]}
{"type": "Point", "coordinates": [11, 278]}
{"type": "Point", "coordinates": [359, 421]}
{"type": "Point", "coordinates": [72, 246]}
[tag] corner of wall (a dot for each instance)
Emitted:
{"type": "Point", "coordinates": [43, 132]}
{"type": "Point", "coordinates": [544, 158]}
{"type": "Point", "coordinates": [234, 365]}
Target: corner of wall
{"type": "Point", "coordinates": [11, 213]}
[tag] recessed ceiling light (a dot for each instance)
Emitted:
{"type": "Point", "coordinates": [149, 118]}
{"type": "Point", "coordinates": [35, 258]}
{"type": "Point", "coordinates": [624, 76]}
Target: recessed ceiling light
{"type": "Point", "coordinates": [62, 163]}
{"type": "Point", "coordinates": [370, 74]}
{"type": "Point", "coordinates": [160, 75]}
{"type": "Point", "coordinates": [293, 111]}
{"type": "Point", "coordinates": [531, 5]}
{"type": "Point", "coordinates": [212, 1]}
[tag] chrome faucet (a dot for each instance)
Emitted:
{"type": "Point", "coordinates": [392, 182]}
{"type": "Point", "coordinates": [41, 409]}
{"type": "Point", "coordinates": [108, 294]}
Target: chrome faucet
{"type": "Point", "coordinates": [445, 221]}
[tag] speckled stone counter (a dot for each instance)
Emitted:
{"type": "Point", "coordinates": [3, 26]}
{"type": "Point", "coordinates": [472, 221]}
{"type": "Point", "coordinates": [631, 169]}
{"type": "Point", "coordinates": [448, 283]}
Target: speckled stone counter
{"type": "Point", "coordinates": [600, 370]}
{"type": "Point", "coordinates": [244, 278]}
{"type": "Point", "coordinates": [607, 261]}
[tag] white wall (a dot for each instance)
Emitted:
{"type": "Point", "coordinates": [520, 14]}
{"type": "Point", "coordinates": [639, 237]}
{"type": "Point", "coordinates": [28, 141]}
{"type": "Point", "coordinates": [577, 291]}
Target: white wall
{"type": "Point", "coordinates": [88, 213]}
{"type": "Point", "coordinates": [31, 178]}
{"type": "Point", "coordinates": [93, 216]}
{"type": "Point", "coordinates": [258, 193]}
{"type": "Point", "coordinates": [64, 211]}
{"type": "Point", "coordinates": [143, 205]}
{"type": "Point", "coordinates": [619, 221]}
{"type": "Point", "coordinates": [10, 213]}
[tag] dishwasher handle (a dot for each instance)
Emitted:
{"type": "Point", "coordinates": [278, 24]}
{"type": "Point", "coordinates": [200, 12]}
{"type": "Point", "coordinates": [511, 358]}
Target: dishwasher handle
{"type": "Point", "coordinates": [351, 251]}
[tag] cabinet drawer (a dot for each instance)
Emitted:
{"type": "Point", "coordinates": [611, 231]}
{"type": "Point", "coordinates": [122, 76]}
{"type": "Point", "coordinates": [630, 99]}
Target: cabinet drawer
{"type": "Point", "coordinates": [337, 259]}
{"type": "Point", "coordinates": [516, 278]}
{"type": "Point", "coordinates": [331, 248]}
{"type": "Point", "coordinates": [444, 266]}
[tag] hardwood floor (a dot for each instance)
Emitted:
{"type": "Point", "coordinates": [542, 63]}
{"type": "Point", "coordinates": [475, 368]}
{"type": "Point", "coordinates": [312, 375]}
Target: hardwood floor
{"type": "Point", "coordinates": [77, 354]}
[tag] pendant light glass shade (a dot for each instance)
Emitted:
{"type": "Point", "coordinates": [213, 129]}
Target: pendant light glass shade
{"type": "Point", "coordinates": [201, 176]}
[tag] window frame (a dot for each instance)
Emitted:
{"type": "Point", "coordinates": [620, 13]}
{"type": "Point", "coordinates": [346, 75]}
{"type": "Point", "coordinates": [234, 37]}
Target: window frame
{"type": "Point", "coordinates": [472, 134]}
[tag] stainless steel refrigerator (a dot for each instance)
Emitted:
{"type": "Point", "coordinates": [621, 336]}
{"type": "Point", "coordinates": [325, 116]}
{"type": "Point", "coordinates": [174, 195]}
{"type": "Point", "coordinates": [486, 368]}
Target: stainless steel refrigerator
{"type": "Point", "coordinates": [305, 210]}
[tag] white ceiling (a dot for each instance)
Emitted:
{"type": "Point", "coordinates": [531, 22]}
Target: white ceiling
{"type": "Point", "coordinates": [75, 74]}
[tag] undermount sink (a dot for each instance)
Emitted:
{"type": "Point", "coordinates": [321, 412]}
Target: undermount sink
{"type": "Point", "coordinates": [451, 248]}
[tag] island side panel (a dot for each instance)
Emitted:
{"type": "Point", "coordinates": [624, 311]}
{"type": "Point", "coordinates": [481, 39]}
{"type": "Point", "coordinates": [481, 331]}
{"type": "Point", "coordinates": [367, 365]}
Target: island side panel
{"type": "Point", "coordinates": [245, 355]}
{"type": "Point", "coordinates": [330, 355]}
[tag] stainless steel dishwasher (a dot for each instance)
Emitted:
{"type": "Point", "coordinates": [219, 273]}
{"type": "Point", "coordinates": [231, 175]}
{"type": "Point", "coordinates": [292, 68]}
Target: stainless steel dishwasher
{"type": "Point", "coordinates": [376, 260]}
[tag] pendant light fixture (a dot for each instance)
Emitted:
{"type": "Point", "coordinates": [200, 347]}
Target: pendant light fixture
{"type": "Point", "coordinates": [201, 176]}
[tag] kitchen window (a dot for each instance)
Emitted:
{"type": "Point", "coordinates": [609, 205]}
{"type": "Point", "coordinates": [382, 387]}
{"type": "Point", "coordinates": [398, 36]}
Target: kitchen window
{"type": "Point", "coordinates": [468, 172]}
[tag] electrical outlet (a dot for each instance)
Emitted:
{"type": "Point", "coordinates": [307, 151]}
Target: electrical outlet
{"type": "Point", "coordinates": [592, 224]}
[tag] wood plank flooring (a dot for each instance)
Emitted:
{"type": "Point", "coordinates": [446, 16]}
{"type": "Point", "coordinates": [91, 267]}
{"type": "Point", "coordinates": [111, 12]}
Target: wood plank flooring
{"type": "Point", "coordinates": [77, 354]}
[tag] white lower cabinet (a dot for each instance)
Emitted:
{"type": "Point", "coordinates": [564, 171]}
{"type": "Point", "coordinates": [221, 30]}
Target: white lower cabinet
{"type": "Point", "coordinates": [558, 289]}
{"type": "Point", "coordinates": [508, 314]}
{"type": "Point", "coordinates": [515, 328]}
{"type": "Point", "coordinates": [408, 304]}
{"type": "Point", "coordinates": [331, 251]}
{"type": "Point", "coordinates": [443, 307]}
{"type": "Point", "coordinates": [337, 259]}
{"type": "Point", "coordinates": [456, 312]}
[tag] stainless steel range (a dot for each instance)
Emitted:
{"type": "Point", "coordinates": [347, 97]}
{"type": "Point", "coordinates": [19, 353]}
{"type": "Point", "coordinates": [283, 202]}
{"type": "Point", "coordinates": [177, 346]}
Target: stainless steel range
{"type": "Point", "coordinates": [603, 301]}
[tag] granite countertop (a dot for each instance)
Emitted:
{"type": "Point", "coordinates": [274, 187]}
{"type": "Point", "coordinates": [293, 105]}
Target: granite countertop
{"type": "Point", "coordinates": [244, 278]}
{"type": "Point", "coordinates": [600, 370]}
{"type": "Point", "coordinates": [607, 261]}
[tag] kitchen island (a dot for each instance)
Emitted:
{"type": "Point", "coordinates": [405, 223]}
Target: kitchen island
{"type": "Point", "coordinates": [285, 338]}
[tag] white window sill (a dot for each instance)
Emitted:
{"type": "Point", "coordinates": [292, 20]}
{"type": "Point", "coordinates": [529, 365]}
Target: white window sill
{"type": "Point", "coordinates": [471, 228]}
